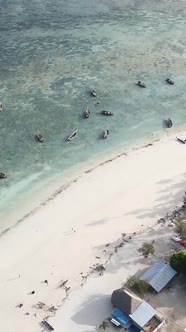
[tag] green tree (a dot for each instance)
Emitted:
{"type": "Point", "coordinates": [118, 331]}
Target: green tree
{"type": "Point", "coordinates": [147, 249]}
{"type": "Point", "coordinates": [137, 285]}
{"type": "Point", "coordinates": [178, 262]}
{"type": "Point", "coordinates": [104, 325]}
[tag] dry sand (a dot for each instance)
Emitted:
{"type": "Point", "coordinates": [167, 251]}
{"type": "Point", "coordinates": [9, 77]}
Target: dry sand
{"type": "Point", "coordinates": [68, 235]}
{"type": "Point", "coordinates": [86, 308]}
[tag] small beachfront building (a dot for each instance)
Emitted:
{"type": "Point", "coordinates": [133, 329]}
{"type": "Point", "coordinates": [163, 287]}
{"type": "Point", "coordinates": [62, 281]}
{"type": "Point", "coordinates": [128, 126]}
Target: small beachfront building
{"type": "Point", "coordinates": [159, 275]}
{"type": "Point", "coordinates": [126, 301]}
{"type": "Point", "coordinates": [133, 313]}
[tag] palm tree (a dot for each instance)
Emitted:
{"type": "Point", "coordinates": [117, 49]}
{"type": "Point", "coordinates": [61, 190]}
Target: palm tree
{"type": "Point", "coordinates": [104, 325]}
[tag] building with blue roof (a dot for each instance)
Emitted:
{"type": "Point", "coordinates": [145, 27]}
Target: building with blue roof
{"type": "Point", "coordinates": [121, 317]}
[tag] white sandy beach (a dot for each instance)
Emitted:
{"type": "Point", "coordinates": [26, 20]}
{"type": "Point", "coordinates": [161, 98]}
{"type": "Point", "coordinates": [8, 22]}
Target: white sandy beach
{"type": "Point", "coordinates": [64, 237]}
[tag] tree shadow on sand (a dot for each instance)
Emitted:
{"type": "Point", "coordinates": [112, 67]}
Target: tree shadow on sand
{"type": "Point", "coordinates": [164, 202]}
{"type": "Point", "coordinates": [93, 310]}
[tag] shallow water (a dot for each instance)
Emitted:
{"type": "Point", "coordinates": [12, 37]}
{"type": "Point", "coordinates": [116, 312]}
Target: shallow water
{"type": "Point", "coordinates": [53, 53]}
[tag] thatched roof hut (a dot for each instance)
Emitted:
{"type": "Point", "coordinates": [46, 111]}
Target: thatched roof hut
{"type": "Point", "coordinates": [125, 301]}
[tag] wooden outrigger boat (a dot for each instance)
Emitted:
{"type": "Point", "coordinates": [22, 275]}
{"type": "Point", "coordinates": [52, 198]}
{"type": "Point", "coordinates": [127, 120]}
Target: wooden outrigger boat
{"type": "Point", "coordinates": [72, 136]}
{"type": "Point", "coordinates": [2, 175]}
{"type": "Point", "coordinates": [105, 112]}
{"type": "Point", "coordinates": [168, 80]}
{"type": "Point", "coordinates": [169, 123]}
{"type": "Point", "coordinates": [39, 137]}
{"type": "Point", "coordinates": [87, 113]}
{"type": "Point", "coordinates": [93, 93]}
{"type": "Point", "coordinates": [143, 85]}
{"type": "Point", "coordinates": [48, 326]}
{"type": "Point", "coordinates": [183, 141]}
{"type": "Point", "coordinates": [106, 134]}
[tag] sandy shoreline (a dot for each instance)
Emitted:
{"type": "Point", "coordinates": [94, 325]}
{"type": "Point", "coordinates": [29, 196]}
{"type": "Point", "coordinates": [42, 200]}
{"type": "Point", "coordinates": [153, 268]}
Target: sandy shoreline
{"type": "Point", "coordinates": [35, 201]}
{"type": "Point", "coordinates": [27, 207]}
{"type": "Point", "coordinates": [67, 235]}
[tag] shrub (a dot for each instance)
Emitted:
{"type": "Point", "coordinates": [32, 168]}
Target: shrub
{"type": "Point", "coordinates": [181, 227]}
{"type": "Point", "coordinates": [147, 249]}
{"type": "Point", "coordinates": [178, 262]}
{"type": "Point", "coordinates": [137, 285]}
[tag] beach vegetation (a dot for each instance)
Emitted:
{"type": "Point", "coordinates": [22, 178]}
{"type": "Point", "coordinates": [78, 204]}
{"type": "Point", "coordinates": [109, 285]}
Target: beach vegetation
{"type": "Point", "coordinates": [184, 204]}
{"type": "Point", "coordinates": [147, 249]}
{"type": "Point", "coordinates": [178, 262]}
{"type": "Point", "coordinates": [136, 285]}
{"type": "Point", "coordinates": [181, 227]}
{"type": "Point", "coordinates": [104, 325]}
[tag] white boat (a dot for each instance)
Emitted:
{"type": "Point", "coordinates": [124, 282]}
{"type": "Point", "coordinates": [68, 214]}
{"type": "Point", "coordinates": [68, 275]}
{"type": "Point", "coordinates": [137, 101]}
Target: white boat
{"type": "Point", "coordinates": [94, 93]}
{"type": "Point", "coordinates": [87, 113]}
{"type": "Point", "coordinates": [39, 137]}
{"type": "Point", "coordinates": [168, 80]}
{"type": "Point", "coordinates": [143, 85]}
{"type": "Point", "coordinates": [72, 136]}
{"type": "Point", "coordinates": [106, 134]}
{"type": "Point", "coordinates": [105, 112]}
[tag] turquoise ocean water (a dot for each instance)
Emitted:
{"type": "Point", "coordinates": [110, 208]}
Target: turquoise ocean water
{"type": "Point", "coordinates": [51, 55]}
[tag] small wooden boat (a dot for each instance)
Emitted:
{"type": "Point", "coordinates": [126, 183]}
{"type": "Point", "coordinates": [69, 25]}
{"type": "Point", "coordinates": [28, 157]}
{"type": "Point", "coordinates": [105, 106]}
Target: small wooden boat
{"type": "Point", "coordinates": [168, 80]}
{"type": "Point", "coordinates": [143, 85]}
{"type": "Point", "coordinates": [93, 93]}
{"type": "Point", "coordinates": [87, 113]}
{"type": "Point", "coordinates": [1, 107]}
{"type": "Point", "coordinates": [183, 141]}
{"type": "Point", "coordinates": [72, 136]}
{"type": "Point", "coordinates": [2, 175]}
{"type": "Point", "coordinates": [39, 137]}
{"type": "Point", "coordinates": [47, 325]}
{"type": "Point", "coordinates": [169, 123]}
{"type": "Point", "coordinates": [106, 134]}
{"type": "Point", "coordinates": [105, 112]}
